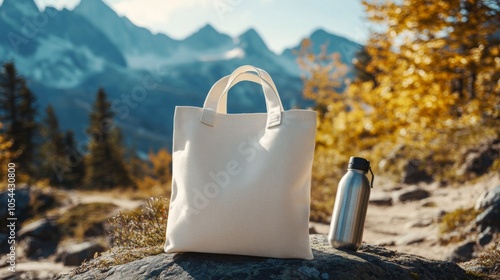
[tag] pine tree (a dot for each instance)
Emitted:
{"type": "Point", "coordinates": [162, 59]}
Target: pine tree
{"type": "Point", "coordinates": [17, 113]}
{"type": "Point", "coordinates": [105, 167]}
{"type": "Point", "coordinates": [5, 153]}
{"type": "Point", "coordinates": [74, 160]}
{"type": "Point", "coordinates": [53, 153]}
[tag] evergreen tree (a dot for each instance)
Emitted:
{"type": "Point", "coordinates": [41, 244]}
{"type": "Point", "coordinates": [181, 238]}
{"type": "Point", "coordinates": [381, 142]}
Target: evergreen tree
{"type": "Point", "coordinates": [53, 153]}
{"type": "Point", "coordinates": [105, 167]}
{"type": "Point", "coordinates": [17, 113]}
{"type": "Point", "coordinates": [361, 70]}
{"type": "Point", "coordinates": [74, 160]}
{"type": "Point", "coordinates": [5, 153]}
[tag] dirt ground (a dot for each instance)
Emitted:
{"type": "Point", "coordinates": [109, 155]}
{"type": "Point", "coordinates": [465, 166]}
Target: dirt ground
{"type": "Point", "coordinates": [413, 227]}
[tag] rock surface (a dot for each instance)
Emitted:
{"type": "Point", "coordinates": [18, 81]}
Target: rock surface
{"type": "Point", "coordinates": [414, 172]}
{"type": "Point", "coordinates": [479, 160]}
{"type": "Point", "coordinates": [75, 254]}
{"type": "Point", "coordinates": [380, 199]}
{"type": "Point", "coordinates": [39, 239]}
{"type": "Point", "coordinates": [463, 252]}
{"type": "Point", "coordinates": [411, 193]}
{"type": "Point", "coordinates": [488, 198]}
{"type": "Point", "coordinates": [370, 262]}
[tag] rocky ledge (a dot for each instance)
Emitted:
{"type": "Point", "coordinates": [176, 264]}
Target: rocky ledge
{"type": "Point", "coordinates": [370, 262]}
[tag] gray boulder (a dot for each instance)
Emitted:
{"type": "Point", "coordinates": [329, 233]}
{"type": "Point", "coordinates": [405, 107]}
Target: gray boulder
{"type": "Point", "coordinates": [488, 198]}
{"type": "Point", "coordinates": [75, 254]}
{"type": "Point", "coordinates": [490, 217]}
{"type": "Point", "coordinates": [479, 160]}
{"type": "Point", "coordinates": [36, 248]}
{"type": "Point", "coordinates": [380, 199]}
{"type": "Point", "coordinates": [370, 262]}
{"type": "Point", "coordinates": [44, 229]}
{"type": "Point", "coordinates": [485, 237]}
{"type": "Point", "coordinates": [39, 239]}
{"type": "Point", "coordinates": [463, 252]}
{"type": "Point", "coordinates": [414, 172]}
{"type": "Point", "coordinates": [411, 193]}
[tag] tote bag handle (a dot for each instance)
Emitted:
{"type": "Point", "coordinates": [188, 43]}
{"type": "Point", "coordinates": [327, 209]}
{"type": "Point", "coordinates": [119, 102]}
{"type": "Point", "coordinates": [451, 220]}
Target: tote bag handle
{"type": "Point", "coordinates": [273, 102]}
{"type": "Point", "coordinates": [245, 69]}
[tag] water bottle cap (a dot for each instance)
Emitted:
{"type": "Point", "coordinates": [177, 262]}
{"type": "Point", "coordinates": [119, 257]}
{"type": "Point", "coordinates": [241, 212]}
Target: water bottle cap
{"type": "Point", "coordinates": [359, 163]}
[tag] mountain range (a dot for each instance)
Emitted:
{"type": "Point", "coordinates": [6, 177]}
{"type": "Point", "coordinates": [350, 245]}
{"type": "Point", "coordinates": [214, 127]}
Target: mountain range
{"type": "Point", "coordinates": [66, 55]}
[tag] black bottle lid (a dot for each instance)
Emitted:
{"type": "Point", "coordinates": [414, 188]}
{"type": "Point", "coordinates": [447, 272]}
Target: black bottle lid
{"type": "Point", "coordinates": [359, 163]}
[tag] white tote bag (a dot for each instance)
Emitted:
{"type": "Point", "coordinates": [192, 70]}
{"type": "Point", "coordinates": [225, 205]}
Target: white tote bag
{"type": "Point", "coordinates": [241, 182]}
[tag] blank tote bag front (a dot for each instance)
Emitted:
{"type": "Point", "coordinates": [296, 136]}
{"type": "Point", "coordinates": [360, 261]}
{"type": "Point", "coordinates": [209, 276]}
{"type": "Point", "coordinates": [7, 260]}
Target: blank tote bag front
{"type": "Point", "coordinates": [241, 182]}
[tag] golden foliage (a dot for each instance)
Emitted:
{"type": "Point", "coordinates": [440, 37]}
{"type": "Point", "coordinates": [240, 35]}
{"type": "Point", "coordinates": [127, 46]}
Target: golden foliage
{"type": "Point", "coordinates": [153, 177]}
{"type": "Point", "coordinates": [433, 90]}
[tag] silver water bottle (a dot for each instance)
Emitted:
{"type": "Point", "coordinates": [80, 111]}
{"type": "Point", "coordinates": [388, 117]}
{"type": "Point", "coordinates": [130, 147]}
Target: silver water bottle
{"type": "Point", "coordinates": [351, 203]}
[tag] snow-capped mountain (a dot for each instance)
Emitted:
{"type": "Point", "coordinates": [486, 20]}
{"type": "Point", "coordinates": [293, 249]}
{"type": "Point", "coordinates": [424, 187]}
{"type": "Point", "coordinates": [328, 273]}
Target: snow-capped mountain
{"type": "Point", "coordinates": [46, 47]}
{"type": "Point", "coordinates": [67, 55]}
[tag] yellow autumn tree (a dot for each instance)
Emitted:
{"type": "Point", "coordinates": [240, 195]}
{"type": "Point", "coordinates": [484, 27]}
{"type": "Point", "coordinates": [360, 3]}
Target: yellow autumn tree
{"type": "Point", "coordinates": [427, 88]}
{"type": "Point", "coordinates": [437, 70]}
{"type": "Point", "coordinates": [437, 65]}
{"type": "Point", "coordinates": [153, 177]}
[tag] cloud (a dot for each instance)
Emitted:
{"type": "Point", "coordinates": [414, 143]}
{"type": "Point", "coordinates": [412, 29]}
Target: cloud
{"type": "Point", "coordinates": [152, 12]}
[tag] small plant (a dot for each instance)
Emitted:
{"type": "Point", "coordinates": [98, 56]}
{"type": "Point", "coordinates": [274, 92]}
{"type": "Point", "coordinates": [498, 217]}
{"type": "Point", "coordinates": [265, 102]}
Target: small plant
{"type": "Point", "coordinates": [141, 228]}
{"type": "Point", "coordinates": [135, 235]}
{"type": "Point", "coordinates": [491, 259]}
{"type": "Point", "coordinates": [454, 224]}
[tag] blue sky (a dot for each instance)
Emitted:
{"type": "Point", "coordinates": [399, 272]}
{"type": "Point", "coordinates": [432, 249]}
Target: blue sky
{"type": "Point", "coordinates": [281, 23]}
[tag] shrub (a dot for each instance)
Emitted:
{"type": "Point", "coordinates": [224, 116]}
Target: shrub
{"type": "Point", "coordinates": [141, 228]}
{"type": "Point", "coordinates": [135, 234]}
{"type": "Point", "coordinates": [491, 259]}
{"type": "Point", "coordinates": [455, 223]}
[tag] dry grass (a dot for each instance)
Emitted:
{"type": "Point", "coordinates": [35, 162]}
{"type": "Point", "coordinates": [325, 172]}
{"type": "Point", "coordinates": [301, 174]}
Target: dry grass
{"type": "Point", "coordinates": [135, 235]}
{"type": "Point", "coordinates": [453, 227]}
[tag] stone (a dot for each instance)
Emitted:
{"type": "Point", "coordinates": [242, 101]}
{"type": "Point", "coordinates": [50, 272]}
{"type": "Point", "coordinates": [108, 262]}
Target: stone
{"type": "Point", "coordinates": [386, 242]}
{"type": "Point", "coordinates": [414, 172]}
{"type": "Point", "coordinates": [369, 262]}
{"type": "Point", "coordinates": [485, 237]}
{"type": "Point", "coordinates": [36, 248]}
{"type": "Point", "coordinates": [479, 160]}
{"type": "Point", "coordinates": [312, 229]}
{"type": "Point", "coordinates": [4, 245]}
{"type": "Point", "coordinates": [463, 252]}
{"type": "Point", "coordinates": [489, 218]}
{"type": "Point", "coordinates": [44, 229]}
{"type": "Point", "coordinates": [75, 254]}
{"type": "Point", "coordinates": [488, 198]}
{"type": "Point", "coordinates": [22, 196]}
{"type": "Point", "coordinates": [420, 223]}
{"type": "Point", "coordinates": [411, 238]}
{"type": "Point", "coordinates": [380, 199]}
{"type": "Point", "coordinates": [411, 193]}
